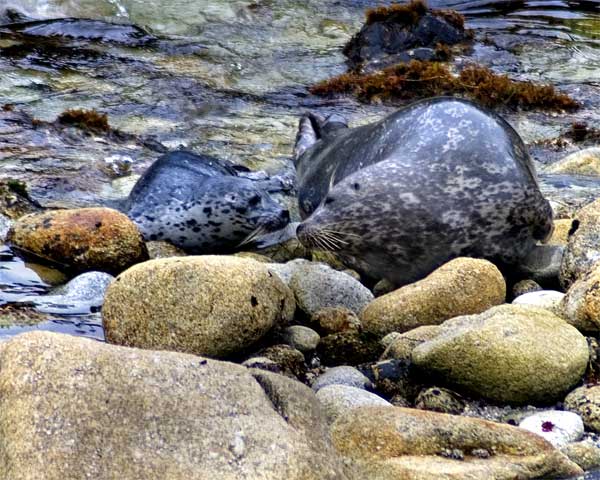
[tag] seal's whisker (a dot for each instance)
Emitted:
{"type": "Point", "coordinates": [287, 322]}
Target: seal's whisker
{"type": "Point", "coordinates": [258, 231]}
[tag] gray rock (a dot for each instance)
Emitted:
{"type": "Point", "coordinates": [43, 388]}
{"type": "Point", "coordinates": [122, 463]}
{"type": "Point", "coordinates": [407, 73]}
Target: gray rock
{"type": "Point", "coordinates": [5, 224]}
{"type": "Point", "coordinates": [74, 408]}
{"type": "Point", "coordinates": [301, 338]}
{"type": "Point", "coordinates": [556, 426]}
{"type": "Point", "coordinates": [548, 299]}
{"type": "Point", "coordinates": [342, 375]}
{"type": "Point", "coordinates": [339, 399]}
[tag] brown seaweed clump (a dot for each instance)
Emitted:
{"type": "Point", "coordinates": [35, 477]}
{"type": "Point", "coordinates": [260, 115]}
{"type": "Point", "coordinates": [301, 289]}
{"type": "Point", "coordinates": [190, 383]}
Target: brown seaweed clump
{"type": "Point", "coordinates": [419, 79]}
{"type": "Point", "coordinates": [581, 131]}
{"type": "Point", "coordinates": [85, 120]}
{"type": "Point", "coordinates": [411, 13]}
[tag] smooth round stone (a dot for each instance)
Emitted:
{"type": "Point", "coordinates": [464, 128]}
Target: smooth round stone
{"type": "Point", "coordinates": [342, 375]}
{"type": "Point", "coordinates": [301, 338]}
{"type": "Point", "coordinates": [525, 286]}
{"type": "Point", "coordinates": [585, 401]}
{"type": "Point", "coordinates": [548, 299]}
{"type": "Point", "coordinates": [556, 426]}
{"type": "Point", "coordinates": [339, 399]}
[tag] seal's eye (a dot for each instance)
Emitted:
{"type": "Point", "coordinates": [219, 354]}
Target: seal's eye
{"type": "Point", "coordinates": [254, 200]}
{"type": "Point", "coordinates": [329, 200]}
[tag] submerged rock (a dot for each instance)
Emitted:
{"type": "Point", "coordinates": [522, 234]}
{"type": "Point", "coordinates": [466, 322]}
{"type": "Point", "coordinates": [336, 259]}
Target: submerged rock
{"type": "Point", "coordinates": [152, 415]}
{"type": "Point", "coordinates": [510, 353]}
{"type": "Point", "coordinates": [460, 287]}
{"type": "Point", "coordinates": [389, 443]}
{"type": "Point", "coordinates": [80, 240]}
{"type": "Point", "coordinates": [207, 305]}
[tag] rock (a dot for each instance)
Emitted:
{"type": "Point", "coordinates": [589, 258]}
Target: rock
{"type": "Point", "coordinates": [560, 234]}
{"type": "Point", "coordinates": [394, 378]}
{"type": "Point", "coordinates": [389, 339]}
{"type": "Point", "coordinates": [339, 399]}
{"type": "Point", "coordinates": [81, 296]}
{"type": "Point", "coordinates": [206, 305]}
{"type": "Point", "coordinates": [285, 252]}
{"type": "Point", "coordinates": [348, 348]}
{"type": "Point", "coordinates": [525, 286]}
{"type": "Point", "coordinates": [382, 287]}
{"type": "Point", "coordinates": [543, 265]}
{"type": "Point", "coordinates": [583, 162]}
{"type": "Point", "coordinates": [5, 225]}
{"type": "Point", "coordinates": [14, 199]}
{"type": "Point", "coordinates": [262, 363]}
{"type": "Point", "coordinates": [581, 305]}
{"type": "Point", "coordinates": [253, 256]}
{"type": "Point", "coordinates": [585, 401]}
{"type": "Point", "coordinates": [290, 362]}
{"type": "Point", "coordinates": [330, 320]}
{"type": "Point", "coordinates": [301, 338]}
{"type": "Point", "coordinates": [317, 286]}
{"type": "Point", "coordinates": [440, 400]}
{"type": "Point", "coordinates": [460, 287]}
{"type": "Point", "coordinates": [548, 299]}
{"type": "Point", "coordinates": [343, 375]}
{"type": "Point", "coordinates": [160, 249]}
{"type": "Point", "coordinates": [81, 239]}
{"type": "Point", "coordinates": [583, 249]}
{"type": "Point", "coordinates": [510, 353]}
{"type": "Point", "coordinates": [556, 426]}
{"type": "Point", "coordinates": [73, 408]}
{"type": "Point", "coordinates": [402, 347]}
{"type": "Point", "coordinates": [390, 443]}
{"type": "Point", "coordinates": [585, 454]}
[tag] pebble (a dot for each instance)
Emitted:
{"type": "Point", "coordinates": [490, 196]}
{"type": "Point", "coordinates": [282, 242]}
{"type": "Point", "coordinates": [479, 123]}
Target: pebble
{"type": "Point", "coordinates": [301, 338]}
{"type": "Point", "coordinates": [343, 375]}
{"type": "Point", "coordinates": [556, 426]}
{"type": "Point", "coordinates": [548, 299]}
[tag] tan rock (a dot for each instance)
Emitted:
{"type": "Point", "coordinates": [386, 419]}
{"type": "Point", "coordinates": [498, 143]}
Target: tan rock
{"type": "Point", "coordinates": [460, 287]}
{"type": "Point", "coordinates": [510, 353]}
{"type": "Point", "coordinates": [560, 234]}
{"type": "Point", "coordinates": [162, 249]}
{"type": "Point", "coordinates": [581, 305]}
{"type": "Point", "coordinates": [390, 443]}
{"type": "Point", "coordinates": [207, 305]}
{"type": "Point", "coordinates": [585, 454]}
{"type": "Point", "coordinates": [72, 408]}
{"type": "Point", "coordinates": [334, 320]}
{"type": "Point", "coordinates": [401, 348]}
{"type": "Point", "coordinates": [585, 401]}
{"type": "Point", "coordinates": [583, 162]}
{"type": "Point", "coordinates": [81, 239]}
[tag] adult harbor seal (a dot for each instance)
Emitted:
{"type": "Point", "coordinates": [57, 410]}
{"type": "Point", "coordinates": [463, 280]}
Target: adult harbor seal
{"type": "Point", "coordinates": [202, 204]}
{"type": "Point", "coordinates": [438, 179]}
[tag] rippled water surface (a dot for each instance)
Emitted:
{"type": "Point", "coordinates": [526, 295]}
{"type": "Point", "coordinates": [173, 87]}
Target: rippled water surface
{"type": "Point", "coordinates": [230, 78]}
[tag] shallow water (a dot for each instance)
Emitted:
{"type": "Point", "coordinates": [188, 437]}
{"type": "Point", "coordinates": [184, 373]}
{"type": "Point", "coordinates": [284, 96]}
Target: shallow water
{"type": "Point", "coordinates": [230, 78]}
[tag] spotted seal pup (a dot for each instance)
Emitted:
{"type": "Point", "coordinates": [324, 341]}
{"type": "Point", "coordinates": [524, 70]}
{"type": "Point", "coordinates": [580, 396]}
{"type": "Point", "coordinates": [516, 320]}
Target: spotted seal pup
{"type": "Point", "coordinates": [438, 179]}
{"type": "Point", "coordinates": [202, 204]}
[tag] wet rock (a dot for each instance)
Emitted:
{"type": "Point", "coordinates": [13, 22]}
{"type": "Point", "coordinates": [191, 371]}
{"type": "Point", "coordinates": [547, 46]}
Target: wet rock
{"type": "Point", "coordinates": [525, 286]}
{"type": "Point", "coordinates": [5, 224]}
{"type": "Point", "coordinates": [510, 353]}
{"type": "Point", "coordinates": [330, 320]}
{"type": "Point", "coordinates": [340, 399]}
{"type": "Point", "coordinates": [583, 162]}
{"type": "Point", "coordinates": [394, 378]}
{"type": "Point", "coordinates": [556, 426]}
{"type": "Point", "coordinates": [416, 443]}
{"type": "Point", "coordinates": [348, 348]}
{"type": "Point", "coordinates": [404, 33]}
{"type": "Point", "coordinates": [585, 401]}
{"type": "Point", "coordinates": [289, 361]}
{"type": "Point", "coordinates": [560, 234]}
{"type": "Point", "coordinates": [548, 299]}
{"type": "Point", "coordinates": [136, 405]}
{"type": "Point", "coordinates": [301, 338]}
{"type": "Point", "coordinates": [582, 250]}
{"type": "Point", "coordinates": [207, 305]}
{"type": "Point", "coordinates": [402, 347]}
{"type": "Point", "coordinates": [14, 199]}
{"type": "Point", "coordinates": [460, 287]}
{"type": "Point", "coordinates": [581, 305]}
{"type": "Point", "coordinates": [81, 239]}
{"type": "Point", "coordinates": [438, 399]}
{"type": "Point", "coordinates": [543, 264]}
{"type": "Point", "coordinates": [343, 375]}
{"type": "Point", "coordinates": [585, 454]}
{"type": "Point", "coordinates": [318, 286]}
{"type": "Point", "coordinates": [382, 287]}
{"type": "Point", "coordinates": [160, 249]}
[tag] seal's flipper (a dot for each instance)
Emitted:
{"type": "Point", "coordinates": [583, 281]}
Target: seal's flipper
{"type": "Point", "coordinates": [276, 238]}
{"type": "Point", "coordinates": [333, 123]}
{"type": "Point", "coordinates": [309, 131]}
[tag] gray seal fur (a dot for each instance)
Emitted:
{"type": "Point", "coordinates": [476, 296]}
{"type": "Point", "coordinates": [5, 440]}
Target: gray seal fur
{"type": "Point", "coordinates": [202, 204]}
{"type": "Point", "coordinates": [438, 179]}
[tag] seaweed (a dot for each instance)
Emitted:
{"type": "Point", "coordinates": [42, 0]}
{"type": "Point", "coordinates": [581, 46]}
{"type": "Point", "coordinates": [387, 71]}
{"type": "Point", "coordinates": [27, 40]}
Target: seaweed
{"type": "Point", "coordinates": [581, 131]}
{"type": "Point", "coordinates": [419, 79]}
{"type": "Point", "coordinates": [408, 14]}
{"type": "Point", "coordinates": [85, 119]}
{"type": "Point", "coordinates": [18, 187]}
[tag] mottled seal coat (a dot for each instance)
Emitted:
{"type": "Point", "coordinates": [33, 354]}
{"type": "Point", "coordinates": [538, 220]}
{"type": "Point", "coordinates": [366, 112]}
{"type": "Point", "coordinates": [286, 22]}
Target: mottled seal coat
{"type": "Point", "coordinates": [201, 204]}
{"type": "Point", "coordinates": [438, 179]}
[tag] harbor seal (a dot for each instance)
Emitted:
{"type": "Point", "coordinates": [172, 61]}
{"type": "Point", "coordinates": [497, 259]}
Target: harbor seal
{"type": "Point", "coordinates": [202, 204]}
{"type": "Point", "coordinates": [438, 179]}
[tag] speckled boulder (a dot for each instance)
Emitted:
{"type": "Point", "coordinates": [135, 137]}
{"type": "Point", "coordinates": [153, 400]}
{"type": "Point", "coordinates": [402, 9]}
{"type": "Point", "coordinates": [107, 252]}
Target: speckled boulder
{"type": "Point", "coordinates": [460, 287]}
{"type": "Point", "coordinates": [73, 408]}
{"type": "Point", "coordinates": [581, 305]}
{"type": "Point", "coordinates": [391, 443]}
{"type": "Point", "coordinates": [207, 305]}
{"type": "Point", "coordinates": [583, 249]}
{"type": "Point", "coordinates": [510, 353]}
{"type": "Point", "coordinates": [585, 454]}
{"type": "Point", "coordinates": [81, 239]}
{"type": "Point", "coordinates": [586, 402]}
